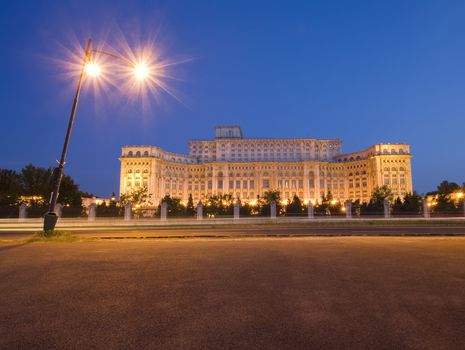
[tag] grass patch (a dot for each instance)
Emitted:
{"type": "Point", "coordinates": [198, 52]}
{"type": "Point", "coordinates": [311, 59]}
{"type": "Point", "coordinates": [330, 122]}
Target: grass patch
{"type": "Point", "coordinates": [53, 236]}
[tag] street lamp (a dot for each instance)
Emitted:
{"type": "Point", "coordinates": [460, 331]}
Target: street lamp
{"type": "Point", "coordinates": [90, 68]}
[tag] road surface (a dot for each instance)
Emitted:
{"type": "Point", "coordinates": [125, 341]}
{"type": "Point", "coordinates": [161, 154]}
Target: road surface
{"type": "Point", "coordinates": [234, 293]}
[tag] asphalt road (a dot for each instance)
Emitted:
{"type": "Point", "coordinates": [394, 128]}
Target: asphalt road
{"type": "Point", "coordinates": [259, 231]}
{"type": "Point", "coordinates": [254, 293]}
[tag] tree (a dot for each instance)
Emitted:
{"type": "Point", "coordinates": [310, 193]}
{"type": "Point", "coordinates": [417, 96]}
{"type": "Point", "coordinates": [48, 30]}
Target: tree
{"type": "Point", "coordinates": [219, 205]}
{"type": "Point", "coordinates": [175, 207]}
{"type": "Point", "coordinates": [295, 207]}
{"type": "Point", "coordinates": [136, 197]}
{"type": "Point", "coordinates": [412, 203]}
{"type": "Point", "coordinates": [328, 206]}
{"type": "Point", "coordinates": [37, 182]}
{"type": "Point", "coordinates": [446, 187]}
{"type": "Point", "coordinates": [10, 187]}
{"type": "Point", "coordinates": [265, 202]}
{"type": "Point", "coordinates": [190, 210]}
{"type": "Point", "coordinates": [376, 204]}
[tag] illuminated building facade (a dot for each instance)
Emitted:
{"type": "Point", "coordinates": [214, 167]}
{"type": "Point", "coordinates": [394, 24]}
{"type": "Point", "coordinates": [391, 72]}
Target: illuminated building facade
{"type": "Point", "coordinates": [246, 168]}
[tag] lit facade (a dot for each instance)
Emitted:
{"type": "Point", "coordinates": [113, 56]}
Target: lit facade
{"type": "Point", "coordinates": [246, 168]}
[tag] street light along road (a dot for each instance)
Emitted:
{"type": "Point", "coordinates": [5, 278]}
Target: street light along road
{"type": "Point", "coordinates": [89, 68]}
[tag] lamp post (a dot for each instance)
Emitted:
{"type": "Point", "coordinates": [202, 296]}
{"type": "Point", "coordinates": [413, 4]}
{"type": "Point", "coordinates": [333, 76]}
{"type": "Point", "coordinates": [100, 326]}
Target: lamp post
{"type": "Point", "coordinates": [88, 66]}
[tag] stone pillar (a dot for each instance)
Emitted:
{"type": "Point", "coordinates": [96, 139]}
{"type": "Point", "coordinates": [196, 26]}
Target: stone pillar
{"type": "Point", "coordinates": [22, 211]}
{"type": "Point", "coordinates": [426, 213]}
{"type": "Point", "coordinates": [387, 209]}
{"type": "Point", "coordinates": [200, 211]}
{"type": "Point", "coordinates": [273, 210]}
{"type": "Point", "coordinates": [348, 207]}
{"type": "Point", "coordinates": [311, 211]}
{"type": "Point", "coordinates": [163, 211]}
{"type": "Point", "coordinates": [92, 212]}
{"type": "Point", "coordinates": [59, 209]}
{"type": "Point", "coordinates": [237, 207]}
{"type": "Point", "coordinates": [128, 212]}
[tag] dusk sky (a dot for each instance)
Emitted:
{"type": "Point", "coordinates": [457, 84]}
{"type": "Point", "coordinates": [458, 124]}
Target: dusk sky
{"type": "Point", "coordinates": [365, 72]}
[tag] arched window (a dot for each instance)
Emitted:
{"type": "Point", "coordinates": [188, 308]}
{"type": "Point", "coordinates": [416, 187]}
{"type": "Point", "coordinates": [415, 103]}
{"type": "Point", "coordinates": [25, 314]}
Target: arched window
{"type": "Point", "coordinates": [138, 154]}
{"type": "Point", "coordinates": [393, 151]}
{"type": "Point", "coordinates": [220, 174]}
{"type": "Point", "coordinates": [394, 169]}
{"type": "Point", "coordinates": [266, 174]}
{"type": "Point", "coordinates": [129, 171]}
{"type": "Point", "coordinates": [146, 153]}
{"type": "Point", "coordinates": [130, 154]}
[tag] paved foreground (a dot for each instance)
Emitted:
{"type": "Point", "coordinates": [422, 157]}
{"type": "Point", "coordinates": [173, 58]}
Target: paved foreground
{"type": "Point", "coordinates": [255, 293]}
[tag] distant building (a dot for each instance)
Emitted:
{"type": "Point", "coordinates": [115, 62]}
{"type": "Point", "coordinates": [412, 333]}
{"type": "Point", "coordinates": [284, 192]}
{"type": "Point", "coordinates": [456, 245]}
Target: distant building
{"type": "Point", "coordinates": [246, 168]}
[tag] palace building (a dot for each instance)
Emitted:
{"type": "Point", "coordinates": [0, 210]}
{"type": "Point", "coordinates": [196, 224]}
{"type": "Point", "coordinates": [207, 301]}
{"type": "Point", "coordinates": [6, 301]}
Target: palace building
{"type": "Point", "coordinates": [246, 168]}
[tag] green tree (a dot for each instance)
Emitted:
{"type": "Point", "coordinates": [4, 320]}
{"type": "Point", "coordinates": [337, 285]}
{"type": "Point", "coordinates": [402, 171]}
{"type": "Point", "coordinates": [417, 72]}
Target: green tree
{"type": "Point", "coordinates": [136, 197]}
{"type": "Point", "coordinates": [412, 203]}
{"type": "Point", "coordinates": [295, 207]}
{"type": "Point", "coordinates": [190, 210]}
{"type": "Point", "coordinates": [264, 202]}
{"type": "Point", "coordinates": [328, 205]}
{"type": "Point", "coordinates": [219, 205]}
{"type": "Point", "coordinates": [175, 207]}
{"type": "Point", "coordinates": [376, 204]}
{"type": "Point", "coordinates": [37, 181]}
{"type": "Point", "coordinates": [10, 187]}
{"type": "Point", "coordinates": [446, 187]}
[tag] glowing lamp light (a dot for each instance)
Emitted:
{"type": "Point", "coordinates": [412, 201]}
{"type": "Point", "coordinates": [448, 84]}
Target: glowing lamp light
{"type": "Point", "coordinates": [92, 69]}
{"type": "Point", "coordinates": [141, 71]}
{"type": "Point", "coordinates": [460, 195]}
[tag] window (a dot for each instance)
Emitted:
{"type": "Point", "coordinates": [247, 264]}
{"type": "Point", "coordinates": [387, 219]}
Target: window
{"type": "Point", "coordinates": [244, 183]}
{"type": "Point", "coordinates": [220, 184]}
{"type": "Point", "coordinates": [130, 154]}
{"type": "Point", "coordinates": [251, 184]}
{"type": "Point", "coordinates": [311, 183]}
{"type": "Point", "coordinates": [238, 184]}
{"type": "Point", "coordinates": [210, 185]}
{"type": "Point", "coordinates": [266, 183]}
{"type": "Point", "coordinates": [231, 184]}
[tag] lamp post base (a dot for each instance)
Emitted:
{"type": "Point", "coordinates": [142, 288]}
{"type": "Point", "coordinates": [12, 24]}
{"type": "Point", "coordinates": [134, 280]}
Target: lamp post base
{"type": "Point", "coordinates": [50, 220]}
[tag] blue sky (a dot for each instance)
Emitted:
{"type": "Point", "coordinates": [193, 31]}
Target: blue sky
{"type": "Point", "coordinates": [362, 71]}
